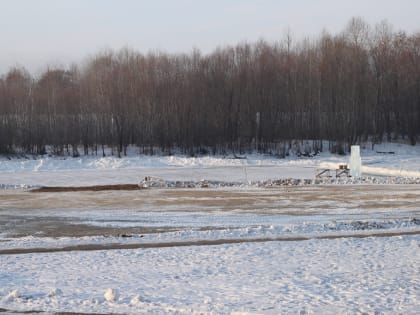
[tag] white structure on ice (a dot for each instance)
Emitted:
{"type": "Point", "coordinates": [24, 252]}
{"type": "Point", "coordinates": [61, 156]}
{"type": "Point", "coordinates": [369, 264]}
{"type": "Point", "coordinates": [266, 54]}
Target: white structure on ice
{"type": "Point", "coordinates": [355, 162]}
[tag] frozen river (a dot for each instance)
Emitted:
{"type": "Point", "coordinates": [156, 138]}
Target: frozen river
{"type": "Point", "coordinates": [310, 249]}
{"type": "Point", "coordinates": [328, 249]}
{"type": "Point", "coordinates": [195, 214]}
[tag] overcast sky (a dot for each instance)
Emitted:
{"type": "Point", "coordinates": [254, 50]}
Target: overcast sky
{"type": "Point", "coordinates": [34, 33]}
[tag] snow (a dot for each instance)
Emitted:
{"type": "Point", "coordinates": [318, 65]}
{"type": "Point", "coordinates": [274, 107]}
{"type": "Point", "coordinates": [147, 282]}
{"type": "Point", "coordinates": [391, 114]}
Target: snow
{"type": "Point", "coordinates": [374, 275]}
{"type": "Point", "coordinates": [276, 242]}
{"type": "Point", "coordinates": [111, 295]}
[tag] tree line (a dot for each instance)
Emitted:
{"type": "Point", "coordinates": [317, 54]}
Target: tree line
{"type": "Point", "coordinates": [360, 84]}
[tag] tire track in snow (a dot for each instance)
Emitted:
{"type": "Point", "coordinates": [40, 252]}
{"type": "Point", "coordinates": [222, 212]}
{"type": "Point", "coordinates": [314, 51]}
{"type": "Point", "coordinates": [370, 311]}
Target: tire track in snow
{"type": "Point", "coordinates": [95, 247]}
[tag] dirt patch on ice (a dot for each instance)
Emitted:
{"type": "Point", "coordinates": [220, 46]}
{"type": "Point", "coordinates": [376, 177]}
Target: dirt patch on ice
{"type": "Point", "coordinates": [78, 213]}
{"type": "Point", "coordinates": [3, 310]}
{"type": "Point", "coordinates": [280, 200]}
{"type": "Point", "coordinates": [87, 188]}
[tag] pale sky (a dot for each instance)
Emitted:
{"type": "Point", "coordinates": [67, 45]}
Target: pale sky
{"type": "Point", "coordinates": [37, 33]}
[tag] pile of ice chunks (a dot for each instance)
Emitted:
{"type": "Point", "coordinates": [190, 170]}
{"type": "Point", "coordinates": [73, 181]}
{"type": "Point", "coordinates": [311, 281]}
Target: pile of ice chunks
{"type": "Point", "coordinates": [155, 182]}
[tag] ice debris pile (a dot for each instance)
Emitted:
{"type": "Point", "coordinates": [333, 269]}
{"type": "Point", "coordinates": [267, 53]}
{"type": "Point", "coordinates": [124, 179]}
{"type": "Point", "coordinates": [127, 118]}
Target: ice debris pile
{"type": "Point", "coordinates": [154, 182]}
{"type": "Point", "coordinates": [17, 186]}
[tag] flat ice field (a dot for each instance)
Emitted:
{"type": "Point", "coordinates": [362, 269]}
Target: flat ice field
{"type": "Point", "coordinates": [306, 249]}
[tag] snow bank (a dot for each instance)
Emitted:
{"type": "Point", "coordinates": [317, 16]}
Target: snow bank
{"type": "Point", "coordinates": [403, 158]}
{"type": "Point", "coordinates": [141, 161]}
{"type": "Point", "coordinates": [24, 173]}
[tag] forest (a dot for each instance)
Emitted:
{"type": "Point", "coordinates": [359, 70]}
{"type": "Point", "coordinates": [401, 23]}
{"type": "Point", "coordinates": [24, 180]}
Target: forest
{"type": "Point", "coordinates": [361, 84]}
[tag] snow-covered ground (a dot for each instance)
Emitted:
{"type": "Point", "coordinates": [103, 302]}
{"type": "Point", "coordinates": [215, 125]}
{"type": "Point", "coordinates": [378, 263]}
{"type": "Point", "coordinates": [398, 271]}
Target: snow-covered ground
{"type": "Point", "coordinates": [354, 276]}
{"type": "Point", "coordinates": [93, 170]}
{"type": "Point", "coordinates": [321, 249]}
